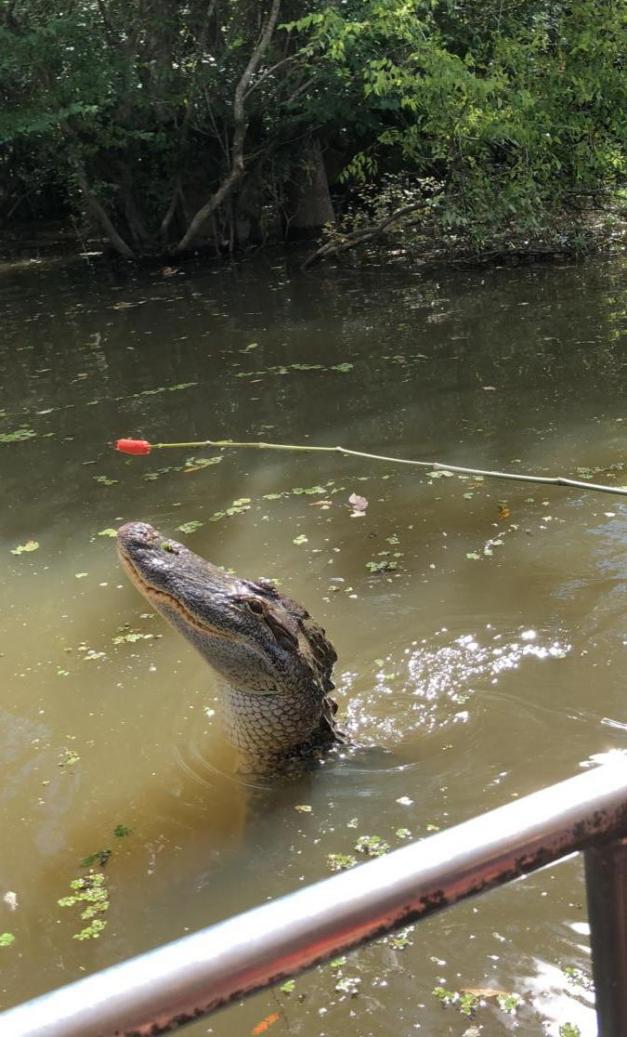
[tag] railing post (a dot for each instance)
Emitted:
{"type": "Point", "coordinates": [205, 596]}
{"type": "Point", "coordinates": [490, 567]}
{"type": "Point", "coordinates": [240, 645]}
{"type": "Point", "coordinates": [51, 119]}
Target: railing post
{"type": "Point", "coordinates": [606, 886]}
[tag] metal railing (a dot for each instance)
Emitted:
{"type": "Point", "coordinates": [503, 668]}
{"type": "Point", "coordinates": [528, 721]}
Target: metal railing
{"type": "Point", "coordinates": [182, 981]}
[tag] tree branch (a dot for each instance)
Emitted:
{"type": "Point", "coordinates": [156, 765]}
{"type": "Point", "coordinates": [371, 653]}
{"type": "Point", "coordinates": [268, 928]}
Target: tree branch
{"type": "Point", "coordinates": [102, 216]}
{"type": "Point", "coordinates": [357, 237]}
{"type": "Point", "coordinates": [240, 124]}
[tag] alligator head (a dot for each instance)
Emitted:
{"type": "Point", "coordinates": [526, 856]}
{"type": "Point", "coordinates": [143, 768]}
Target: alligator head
{"type": "Point", "coordinates": [273, 661]}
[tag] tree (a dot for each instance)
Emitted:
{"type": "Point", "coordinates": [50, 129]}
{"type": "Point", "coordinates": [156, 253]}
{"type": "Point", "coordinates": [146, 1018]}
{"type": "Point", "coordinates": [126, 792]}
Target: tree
{"type": "Point", "coordinates": [220, 120]}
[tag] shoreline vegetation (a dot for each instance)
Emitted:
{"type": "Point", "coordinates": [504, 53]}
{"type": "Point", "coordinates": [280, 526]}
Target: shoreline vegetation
{"type": "Point", "coordinates": [439, 130]}
{"type": "Point", "coordinates": [37, 241]}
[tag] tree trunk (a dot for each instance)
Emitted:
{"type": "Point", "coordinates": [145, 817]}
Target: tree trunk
{"type": "Point", "coordinates": [240, 127]}
{"type": "Point", "coordinates": [312, 205]}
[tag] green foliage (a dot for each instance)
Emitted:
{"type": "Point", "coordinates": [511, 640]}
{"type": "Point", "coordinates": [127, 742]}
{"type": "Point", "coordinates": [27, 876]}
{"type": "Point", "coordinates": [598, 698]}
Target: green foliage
{"type": "Point", "coordinates": [515, 114]}
{"type": "Point", "coordinates": [499, 118]}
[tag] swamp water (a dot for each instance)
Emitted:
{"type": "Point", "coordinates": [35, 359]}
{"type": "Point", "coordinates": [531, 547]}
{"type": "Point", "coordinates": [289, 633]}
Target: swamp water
{"type": "Point", "coordinates": [479, 624]}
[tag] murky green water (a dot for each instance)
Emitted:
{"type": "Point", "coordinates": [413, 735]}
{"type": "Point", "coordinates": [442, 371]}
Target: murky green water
{"type": "Point", "coordinates": [488, 663]}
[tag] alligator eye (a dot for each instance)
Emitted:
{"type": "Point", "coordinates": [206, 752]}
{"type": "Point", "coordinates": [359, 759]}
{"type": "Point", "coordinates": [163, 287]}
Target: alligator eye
{"type": "Point", "coordinates": [254, 606]}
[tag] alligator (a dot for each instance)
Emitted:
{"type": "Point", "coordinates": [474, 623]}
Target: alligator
{"type": "Point", "coordinates": [272, 660]}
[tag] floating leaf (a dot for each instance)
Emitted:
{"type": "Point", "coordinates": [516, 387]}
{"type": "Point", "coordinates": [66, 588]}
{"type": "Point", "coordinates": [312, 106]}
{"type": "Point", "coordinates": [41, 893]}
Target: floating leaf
{"type": "Point", "coordinates": [358, 504]}
{"type": "Point", "coordinates": [302, 539]}
{"type": "Point", "coordinates": [348, 985]}
{"type": "Point", "coordinates": [387, 565]}
{"type": "Point", "coordinates": [372, 845]}
{"type": "Point", "coordinates": [6, 939]}
{"type": "Point", "coordinates": [18, 436]}
{"type": "Point", "coordinates": [100, 857]}
{"type": "Point", "coordinates": [190, 527]}
{"type": "Point", "coordinates": [107, 532]}
{"type": "Point", "coordinates": [69, 758]}
{"type": "Point", "coordinates": [30, 545]}
{"type": "Point", "coordinates": [341, 861]}
{"type": "Point", "coordinates": [504, 511]}
{"type": "Point", "coordinates": [130, 637]}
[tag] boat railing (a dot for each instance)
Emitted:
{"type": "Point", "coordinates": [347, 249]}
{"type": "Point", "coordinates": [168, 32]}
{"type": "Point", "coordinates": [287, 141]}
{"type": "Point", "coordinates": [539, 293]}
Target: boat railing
{"type": "Point", "coordinates": [180, 982]}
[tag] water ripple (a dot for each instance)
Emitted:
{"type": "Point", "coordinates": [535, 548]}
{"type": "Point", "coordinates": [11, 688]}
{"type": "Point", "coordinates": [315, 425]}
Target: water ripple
{"type": "Point", "coordinates": [434, 682]}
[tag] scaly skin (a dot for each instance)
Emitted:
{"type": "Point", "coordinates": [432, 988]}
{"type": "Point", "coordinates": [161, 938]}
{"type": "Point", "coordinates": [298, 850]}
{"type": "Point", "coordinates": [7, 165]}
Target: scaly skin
{"type": "Point", "coordinates": [273, 660]}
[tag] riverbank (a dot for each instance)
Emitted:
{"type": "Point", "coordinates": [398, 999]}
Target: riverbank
{"type": "Point", "coordinates": [603, 234]}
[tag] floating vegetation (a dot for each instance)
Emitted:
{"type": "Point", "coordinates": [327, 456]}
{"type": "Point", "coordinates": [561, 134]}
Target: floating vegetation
{"type": "Point", "coordinates": [358, 504]}
{"type": "Point", "coordinates": [348, 985]}
{"type": "Point", "coordinates": [466, 1003]}
{"type": "Point", "coordinates": [283, 369]}
{"type": "Point", "coordinates": [341, 861]}
{"type": "Point", "coordinates": [578, 977]}
{"type": "Point", "coordinates": [132, 636]}
{"type": "Point", "coordinates": [20, 435]}
{"type": "Point", "coordinates": [468, 1000]}
{"type": "Point", "coordinates": [367, 845]}
{"type": "Point", "coordinates": [30, 545]}
{"type": "Point", "coordinates": [155, 392]}
{"type": "Point", "coordinates": [238, 507]}
{"type": "Point", "coordinates": [6, 939]}
{"type": "Point", "coordinates": [372, 845]}
{"type": "Point", "coordinates": [401, 940]}
{"type": "Point", "coordinates": [191, 526]}
{"type": "Point", "coordinates": [68, 758]}
{"type": "Point", "coordinates": [192, 464]}
{"type": "Point", "coordinates": [110, 532]}
{"type": "Point", "coordinates": [100, 857]}
{"type": "Point", "coordinates": [90, 893]}
{"type": "Point", "coordinates": [387, 565]}
{"type": "Point", "coordinates": [104, 480]}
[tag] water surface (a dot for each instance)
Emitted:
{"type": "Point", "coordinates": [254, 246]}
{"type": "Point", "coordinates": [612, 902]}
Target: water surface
{"type": "Point", "coordinates": [486, 662]}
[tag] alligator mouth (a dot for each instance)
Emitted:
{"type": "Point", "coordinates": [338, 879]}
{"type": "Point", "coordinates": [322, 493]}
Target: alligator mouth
{"type": "Point", "coordinates": [163, 598]}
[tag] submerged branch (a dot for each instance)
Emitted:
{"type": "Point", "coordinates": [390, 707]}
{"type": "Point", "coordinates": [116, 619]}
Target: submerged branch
{"type": "Point", "coordinates": [438, 466]}
{"type": "Point", "coordinates": [358, 237]}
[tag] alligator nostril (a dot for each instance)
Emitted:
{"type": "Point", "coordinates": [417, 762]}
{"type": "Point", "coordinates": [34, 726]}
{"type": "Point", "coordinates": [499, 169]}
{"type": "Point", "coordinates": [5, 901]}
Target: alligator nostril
{"type": "Point", "coordinates": [140, 533]}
